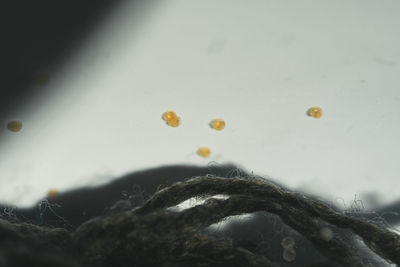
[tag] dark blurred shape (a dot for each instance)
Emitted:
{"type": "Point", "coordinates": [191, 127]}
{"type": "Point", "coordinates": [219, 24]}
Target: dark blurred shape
{"type": "Point", "coordinates": [37, 34]}
{"type": "Point", "coordinates": [70, 209]}
{"type": "Point", "coordinates": [280, 214]}
{"type": "Point", "coordinates": [41, 78]}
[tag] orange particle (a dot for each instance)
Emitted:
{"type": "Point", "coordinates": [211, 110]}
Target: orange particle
{"type": "Point", "coordinates": [315, 112]}
{"type": "Point", "coordinates": [218, 124]}
{"type": "Point", "coordinates": [52, 193]}
{"type": "Point", "coordinates": [14, 126]}
{"type": "Point", "coordinates": [169, 115]}
{"type": "Point", "coordinates": [171, 118]}
{"type": "Point", "coordinates": [174, 123]}
{"type": "Point", "coordinates": [205, 152]}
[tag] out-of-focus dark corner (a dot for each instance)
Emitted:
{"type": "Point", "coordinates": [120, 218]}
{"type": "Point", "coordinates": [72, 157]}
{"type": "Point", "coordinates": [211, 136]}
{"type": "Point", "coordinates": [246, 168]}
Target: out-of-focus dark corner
{"type": "Point", "coordinates": [38, 34]}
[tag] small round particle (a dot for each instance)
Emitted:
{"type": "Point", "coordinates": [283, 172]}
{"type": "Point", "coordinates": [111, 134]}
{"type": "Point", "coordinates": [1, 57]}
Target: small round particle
{"type": "Point", "coordinates": [174, 123]}
{"type": "Point", "coordinates": [171, 118]}
{"type": "Point", "coordinates": [169, 115]}
{"type": "Point", "coordinates": [14, 126]}
{"type": "Point", "coordinates": [315, 112]}
{"type": "Point", "coordinates": [287, 242]}
{"type": "Point", "coordinates": [218, 124]}
{"type": "Point", "coordinates": [52, 193]}
{"type": "Point", "coordinates": [205, 152]}
{"type": "Point", "coordinates": [41, 78]}
{"type": "Point", "coordinates": [289, 254]}
{"type": "Point", "coordinates": [326, 233]}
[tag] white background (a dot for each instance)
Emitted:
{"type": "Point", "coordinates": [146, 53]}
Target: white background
{"type": "Point", "coordinates": [258, 64]}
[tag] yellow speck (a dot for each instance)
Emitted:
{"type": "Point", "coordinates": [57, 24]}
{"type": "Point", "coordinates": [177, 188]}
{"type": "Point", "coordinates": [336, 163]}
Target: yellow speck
{"type": "Point", "coordinates": [14, 126]}
{"type": "Point", "coordinates": [41, 78]}
{"type": "Point", "coordinates": [52, 193]}
{"type": "Point", "coordinates": [171, 118]}
{"type": "Point", "coordinates": [218, 124]}
{"type": "Point", "coordinates": [315, 112]}
{"type": "Point", "coordinates": [205, 152]}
